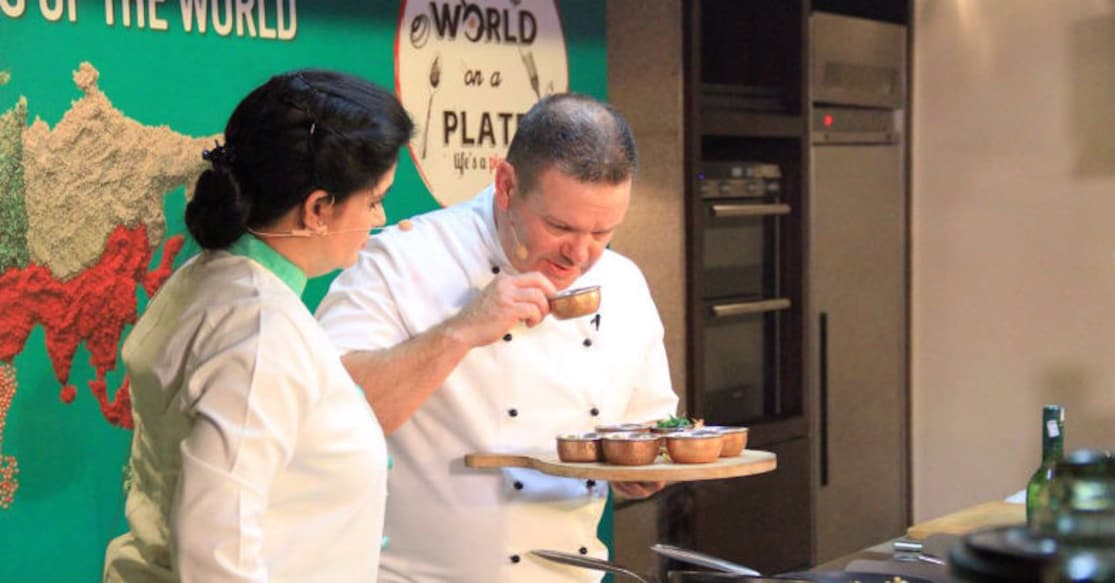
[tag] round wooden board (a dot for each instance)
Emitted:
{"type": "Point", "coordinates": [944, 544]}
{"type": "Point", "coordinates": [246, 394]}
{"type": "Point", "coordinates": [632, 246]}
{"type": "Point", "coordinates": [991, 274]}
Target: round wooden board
{"type": "Point", "coordinates": [748, 463]}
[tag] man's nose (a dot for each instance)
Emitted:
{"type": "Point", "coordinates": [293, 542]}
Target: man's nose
{"type": "Point", "coordinates": [578, 249]}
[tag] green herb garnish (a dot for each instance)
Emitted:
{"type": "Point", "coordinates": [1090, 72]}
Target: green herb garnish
{"type": "Point", "coordinates": [674, 422]}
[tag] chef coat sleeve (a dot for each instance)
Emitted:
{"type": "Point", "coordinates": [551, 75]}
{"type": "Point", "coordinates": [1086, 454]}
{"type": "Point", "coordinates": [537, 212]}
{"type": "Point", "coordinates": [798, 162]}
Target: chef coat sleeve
{"type": "Point", "coordinates": [252, 384]}
{"type": "Point", "coordinates": [652, 396]}
{"type": "Point", "coordinates": [360, 311]}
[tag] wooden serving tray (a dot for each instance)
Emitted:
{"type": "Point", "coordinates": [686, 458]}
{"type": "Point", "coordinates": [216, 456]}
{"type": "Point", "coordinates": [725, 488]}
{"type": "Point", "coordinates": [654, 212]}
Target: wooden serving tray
{"type": "Point", "coordinates": [748, 463]}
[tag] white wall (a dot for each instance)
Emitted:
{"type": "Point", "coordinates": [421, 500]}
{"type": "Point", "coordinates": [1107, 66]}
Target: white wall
{"type": "Point", "coordinates": [1013, 239]}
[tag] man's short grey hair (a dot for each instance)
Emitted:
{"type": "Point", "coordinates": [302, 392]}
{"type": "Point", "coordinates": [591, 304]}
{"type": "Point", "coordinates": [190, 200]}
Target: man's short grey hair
{"type": "Point", "coordinates": [583, 138]}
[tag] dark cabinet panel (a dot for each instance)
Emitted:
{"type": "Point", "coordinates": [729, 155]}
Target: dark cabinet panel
{"type": "Point", "coordinates": [759, 521]}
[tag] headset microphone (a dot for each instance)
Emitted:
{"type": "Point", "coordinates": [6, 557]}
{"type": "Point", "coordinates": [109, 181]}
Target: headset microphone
{"type": "Point", "coordinates": [404, 225]}
{"type": "Point", "coordinates": [521, 251]}
{"type": "Point", "coordinates": [304, 233]}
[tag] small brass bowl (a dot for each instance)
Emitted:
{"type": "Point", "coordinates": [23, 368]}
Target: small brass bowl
{"type": "Point", "coordinates": [630, 449]}
{"type": "Point", "coordinates": [734, 439]}
{"type": "Point", "coordinates": [623, 428]}
{"type": "Point", "coordinates": [694, 447]}
{"type": "Point", "coordinates": [575, 303]}
{"type": "Point", "coordinates": [579, 447]}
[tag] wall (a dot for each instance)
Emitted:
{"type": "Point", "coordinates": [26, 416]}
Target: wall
{"type": "Point", "coordinates": [95, 163]}
{"type": "Point", "coordinates": [645, 82]}
{"type": "Point", "coordinates": [1013, 236]}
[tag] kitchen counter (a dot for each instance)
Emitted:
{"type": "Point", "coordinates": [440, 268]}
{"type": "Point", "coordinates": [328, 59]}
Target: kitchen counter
{"type": "Point", "coordinates": [937, 535]}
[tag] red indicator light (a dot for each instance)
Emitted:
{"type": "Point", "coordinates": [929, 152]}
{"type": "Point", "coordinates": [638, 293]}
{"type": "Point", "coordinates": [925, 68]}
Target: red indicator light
{"type": "Point", "coordinates": [828, 120]}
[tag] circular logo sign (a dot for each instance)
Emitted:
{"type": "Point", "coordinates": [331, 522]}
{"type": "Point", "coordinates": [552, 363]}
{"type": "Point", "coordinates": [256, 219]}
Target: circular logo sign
{"type": "Point", "coordinates": [466, 72]}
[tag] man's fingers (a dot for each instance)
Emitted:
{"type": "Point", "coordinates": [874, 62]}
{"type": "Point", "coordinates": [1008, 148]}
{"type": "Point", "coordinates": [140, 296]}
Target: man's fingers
{"type": "Point", "coordinates": [535, 297]}
{"type": "Point", "coordinates": [536, 280]}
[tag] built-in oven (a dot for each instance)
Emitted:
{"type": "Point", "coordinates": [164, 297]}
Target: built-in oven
{"type": "Point", "coordinates": [741, 205]}
{"type": "Point", "coordinates": [740, 249]}
{"type": "Point", "coordinates": [741, 374]}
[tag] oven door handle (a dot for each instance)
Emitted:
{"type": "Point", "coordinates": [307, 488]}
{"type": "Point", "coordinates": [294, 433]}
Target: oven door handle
{"type": "Point", "coordinates": [757, 307]}
{"type": "Point", "coordinates": [727, 211]}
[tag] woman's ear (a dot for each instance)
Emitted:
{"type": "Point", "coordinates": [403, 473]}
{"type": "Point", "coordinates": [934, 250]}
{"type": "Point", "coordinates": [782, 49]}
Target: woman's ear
{"type": "Point", "coordinates": [317, 210]}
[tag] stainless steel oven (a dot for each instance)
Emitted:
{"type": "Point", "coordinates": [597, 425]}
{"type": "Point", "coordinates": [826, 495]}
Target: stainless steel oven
{"type": "Point", "coordinates": [740, 248]}
{"type": "Point", "coordinates": [742, 213]}
{"type": "Point", "coordinates": [741, 204]}
{"type": "Point", "coordinates": [741, 374]}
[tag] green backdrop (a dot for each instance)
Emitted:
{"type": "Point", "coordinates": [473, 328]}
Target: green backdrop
{"type": "Point", "coordinates": [69, 501]}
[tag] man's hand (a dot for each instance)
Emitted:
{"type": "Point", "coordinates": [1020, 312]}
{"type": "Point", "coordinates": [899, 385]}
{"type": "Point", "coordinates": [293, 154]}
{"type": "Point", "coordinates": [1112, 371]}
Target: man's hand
{"type": "Point", "coordinates": [501, 305]}
{"type": "Point", "coordinates": [637, 490]}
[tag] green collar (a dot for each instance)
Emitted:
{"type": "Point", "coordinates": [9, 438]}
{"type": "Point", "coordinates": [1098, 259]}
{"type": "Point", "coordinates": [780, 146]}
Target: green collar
{"type": "Point", "coordinates": [252, 248]}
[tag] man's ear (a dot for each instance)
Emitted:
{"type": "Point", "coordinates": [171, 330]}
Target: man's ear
{"type": "Point", "coordinates": [317, 210]}
{"type": "Point", "coordinates": [504, 184]}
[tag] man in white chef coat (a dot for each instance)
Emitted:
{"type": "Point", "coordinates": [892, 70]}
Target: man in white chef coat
{"type": "Point", "coordinates": [445, 328]}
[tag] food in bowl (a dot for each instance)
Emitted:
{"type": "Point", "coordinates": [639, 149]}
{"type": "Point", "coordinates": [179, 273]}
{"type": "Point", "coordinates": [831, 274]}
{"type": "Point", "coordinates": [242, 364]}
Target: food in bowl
{"type": "Point", "coordinates": [734, 439]}
{"type": "Point", "coordinates": [694, 447]}
{"type": "Point", "coordinates": [630, 448]}
{"type": "Point", "coordinates": [674, 422]}
{"type": "Point", "coordinates": [579, 447]}
{"type": "Point", "coordinates": [623, 428]}
{"type": "Point", "coordinates": [667, 430]}
{"type": "Point", "coordinates": [671, 425]}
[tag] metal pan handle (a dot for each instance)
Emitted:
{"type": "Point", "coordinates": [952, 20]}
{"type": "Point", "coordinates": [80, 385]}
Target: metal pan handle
{"type": "Point", "coordinates": [702, 560]}
{"type": "Point", "coordinates": [587, 563]}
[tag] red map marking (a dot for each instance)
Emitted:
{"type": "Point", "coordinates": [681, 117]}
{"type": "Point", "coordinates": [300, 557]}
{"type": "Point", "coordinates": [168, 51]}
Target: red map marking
{"type": "Point", "coordinates": [92, 307]}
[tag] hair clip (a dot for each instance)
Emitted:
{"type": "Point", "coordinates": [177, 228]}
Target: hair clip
{"type": "Point", "coordinates": [219, 155]}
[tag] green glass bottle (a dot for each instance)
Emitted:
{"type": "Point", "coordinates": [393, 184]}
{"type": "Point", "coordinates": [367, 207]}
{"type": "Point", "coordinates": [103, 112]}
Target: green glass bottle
{"type": "Point", "coordinates": [1052, 449]}
{"type": "Point", "coordinates": [1078, 511]}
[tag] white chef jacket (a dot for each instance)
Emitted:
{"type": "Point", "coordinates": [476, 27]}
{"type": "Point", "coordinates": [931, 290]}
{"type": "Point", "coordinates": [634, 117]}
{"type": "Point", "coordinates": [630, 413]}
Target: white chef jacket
{"type": "Point", "coordinates": [255, 457]}
{"type": "Point", "coordinates": [447, 522]}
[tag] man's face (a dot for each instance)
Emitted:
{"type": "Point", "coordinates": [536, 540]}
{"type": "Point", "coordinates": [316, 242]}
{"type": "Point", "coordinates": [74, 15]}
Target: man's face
{"type": "Point", "coordinates": [563, 224]}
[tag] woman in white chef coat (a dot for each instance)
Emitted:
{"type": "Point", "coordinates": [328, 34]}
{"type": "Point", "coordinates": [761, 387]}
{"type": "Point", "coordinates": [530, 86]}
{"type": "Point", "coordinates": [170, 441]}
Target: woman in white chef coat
{"type": "Point", "coordinates": [255, 458]}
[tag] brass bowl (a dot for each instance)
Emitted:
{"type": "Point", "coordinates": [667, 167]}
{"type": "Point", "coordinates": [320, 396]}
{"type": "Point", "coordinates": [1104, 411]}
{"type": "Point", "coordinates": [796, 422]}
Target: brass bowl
{"type": "Point", "coordinates": [623, 428]}
{"type": "Point", "coordinates": [575, 303]}
{"type": "Point", "coordinates": [630, 449]}
{"type": "Point", "coordinates": [734, 440]}
{"type": "Point", "coordinates": [694, 447]}
{"type": "Point", "coordinates": [579, 447]}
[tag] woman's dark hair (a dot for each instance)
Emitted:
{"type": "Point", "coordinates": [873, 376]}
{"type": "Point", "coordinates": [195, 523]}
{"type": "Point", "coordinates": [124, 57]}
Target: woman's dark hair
{"type": "Point", "coordinates": [299, 132]}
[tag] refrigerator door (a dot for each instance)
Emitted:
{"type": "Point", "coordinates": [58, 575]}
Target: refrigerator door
{"type": "Point", "coordinates": [858, 331]}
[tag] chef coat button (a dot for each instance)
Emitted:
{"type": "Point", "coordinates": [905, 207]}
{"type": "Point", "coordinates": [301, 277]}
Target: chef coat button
{"type": "Point", "coordinates": [516, 558]}
{"type": "Point", "coordinates": [518, 485]}
{"type": "Point", "coordinates": [507, 337]}
{"type": "Point", "coordinates": [594, 412]}
{"type": "Point", "coordinates": [587, 342]}
{"type": "Point", "coordinates": [495, 269]}
{"type": "Point", "coordinates": [590, 483]}
{"type": "Point", "coordinates": [513, 412]}
{"type": "Point", "coordinates": [583, 550]}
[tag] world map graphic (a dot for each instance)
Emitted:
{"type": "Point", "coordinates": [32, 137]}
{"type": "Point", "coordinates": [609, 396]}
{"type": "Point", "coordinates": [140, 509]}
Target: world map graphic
{"type": "Point", "coordinates": [81, 219]}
